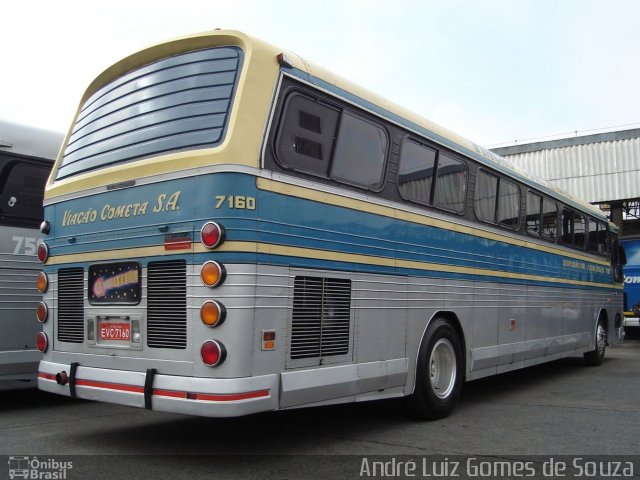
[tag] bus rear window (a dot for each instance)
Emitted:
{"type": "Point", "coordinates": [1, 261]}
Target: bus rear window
{"type": "Point", "coordinates": [178, 103]}
{"type": "Point", "coordinates": [22, 185]}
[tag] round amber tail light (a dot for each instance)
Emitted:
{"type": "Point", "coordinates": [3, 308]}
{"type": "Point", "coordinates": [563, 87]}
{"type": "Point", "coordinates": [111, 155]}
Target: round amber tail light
{"type": "Point", "coordinates": [213, 313]}
{"type": "Point", "coordinates": [42, 282]}
{"type": "Point", "coordinates": [42, 312]}
{"type": "Point", "coordinates": [213, 273]}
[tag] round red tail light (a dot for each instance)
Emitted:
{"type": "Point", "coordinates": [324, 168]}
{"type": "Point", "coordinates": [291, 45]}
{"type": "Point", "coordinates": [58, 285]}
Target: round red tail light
{"type": "Point", "coordinates": [42, 342]}
{"type": "Point", "coordinates": [42, 282]}
{"type": "Point", "coordinates": [213, 353]}
{"type": "Point", "coordinates": [212, 234]}
{"type": "Point", "coordinates": [43, 252]}
{"type": "Point", "coordinates": [42, 312]}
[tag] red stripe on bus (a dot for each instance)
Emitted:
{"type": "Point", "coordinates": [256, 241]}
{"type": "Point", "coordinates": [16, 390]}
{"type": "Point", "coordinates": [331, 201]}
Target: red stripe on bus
{"type": "Point", "coordinates": [219, 397]}
{"type": "Point", "coordinates": [47, 376]}
{"type": "Point", "coordinates": [109, 386]}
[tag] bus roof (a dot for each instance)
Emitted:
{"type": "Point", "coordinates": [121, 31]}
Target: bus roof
{"type": "Point", "coordinates": [29, 141]}
{"type": "Point", "coordinates": [442, 135]}
{"type": "Point", "coordinates": [308, 71]}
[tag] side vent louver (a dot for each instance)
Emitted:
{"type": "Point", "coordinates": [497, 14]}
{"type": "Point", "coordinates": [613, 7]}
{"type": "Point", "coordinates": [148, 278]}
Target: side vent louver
{"type": "Point", "coordinates": [167, 304]}
{"type": "Point", "coordinates": [308, 147]}
{"type": "Point", "coordinates": [309, 122]}
{"type": "Point", "coordinates": [321, 317]}
{"type": "Point", "coordinates": [71, 305]}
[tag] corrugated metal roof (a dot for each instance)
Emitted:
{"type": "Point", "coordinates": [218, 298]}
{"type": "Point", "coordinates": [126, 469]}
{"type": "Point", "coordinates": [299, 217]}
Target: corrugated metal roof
{"type": "Point", "coordinates": [602, 171]}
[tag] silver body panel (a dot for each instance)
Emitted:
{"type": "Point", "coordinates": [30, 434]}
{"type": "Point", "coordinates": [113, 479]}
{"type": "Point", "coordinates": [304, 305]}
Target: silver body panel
{"type": "Point", "coordinates": [505, 327]}
{"type": "Point", "coordinates": [18, 301]}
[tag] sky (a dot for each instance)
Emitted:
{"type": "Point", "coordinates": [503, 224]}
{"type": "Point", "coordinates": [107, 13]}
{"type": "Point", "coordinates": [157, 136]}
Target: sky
{"type": "Point", "coordinates": [494, 71]}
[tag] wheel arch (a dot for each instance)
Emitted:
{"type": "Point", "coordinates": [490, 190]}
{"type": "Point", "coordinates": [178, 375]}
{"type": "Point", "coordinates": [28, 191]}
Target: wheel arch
{"type": "Point", "coordinates": [451, 318]}
{"type": "Point", "coordinates": [603, 317]}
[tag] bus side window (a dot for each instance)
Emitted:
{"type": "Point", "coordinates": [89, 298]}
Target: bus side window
{"type": "Point", "coordinates": [306, 135]}
{"type": "Point", "coordinates": [485, 195]}
{"type": "Point", "coordinates": [579, 230]}
{"type": "Point", "coordinates": [602, 238]}
{"type": "Point", "coordinates": [415, 177]}
{"type": "Point", "coordinates": [360, 153]}
{"type": "Point", "coordinates": [508, 204]}
{"type": "Point", "coordinates": [567, 227]}
{"type": "Point", "coordinates": [549, 219]}
{"type": "Point", "coordinates": [451, 184]}
{"type": "Point", "coordinates": [597, 237]}
{"type": "Point", "coordinates": [534, 203]}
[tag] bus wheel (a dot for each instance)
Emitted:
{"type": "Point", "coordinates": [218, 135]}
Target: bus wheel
{"type": "Point", "coordinates": [595, 357]}
{"type": "Point", "coordinates": [439, 373]}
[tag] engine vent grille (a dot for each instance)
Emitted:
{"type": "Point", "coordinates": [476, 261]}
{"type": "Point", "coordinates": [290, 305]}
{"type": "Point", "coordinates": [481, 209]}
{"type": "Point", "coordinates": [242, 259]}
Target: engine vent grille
{"type": "Point", "coordinates": [71, 305]}
{"type": "Point", "coordinates": [167, 304]}
{"type": "Point", "coordinates": [321, 317]}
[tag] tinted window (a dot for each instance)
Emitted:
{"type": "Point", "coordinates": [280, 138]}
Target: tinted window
{"type": "Point", "coordinates": [360, 152]}
{"type": "Point", "coordinates": [567, 226]}
{"type": "Point", "coordinates": [415, 177]}
{"type": "Point", "coordinates": [22, 190]}
{"type": "Point", "coordinates": [534, 204]}
{"type": "Point", "coordinates": [485, 196]}
{"type": "Point", "coordinates": [182, 102]}
{"type": "Point", "coordinates": [592, 243]}
{"type": "Point", "coordinates": [306, 135]}
{"type": "Point", "coordinates": [579, 230]}
{"type": "Point", "coordinates": [451, 184]}
{"type": "Point", "coordinates": [549, 219]}
{"type": "Point", "coordinates": [508, 204]}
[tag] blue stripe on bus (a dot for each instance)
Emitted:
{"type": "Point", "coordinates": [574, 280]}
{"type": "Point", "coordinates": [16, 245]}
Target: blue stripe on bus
{"type": "Point", "coordinates": [296, 222]}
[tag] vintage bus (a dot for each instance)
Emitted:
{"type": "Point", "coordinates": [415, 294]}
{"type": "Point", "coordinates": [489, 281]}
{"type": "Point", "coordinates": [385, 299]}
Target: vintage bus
{"type": "Point", "coordinates": [26, 157]}
{"type": "Point", "coordinates": [231, 229]}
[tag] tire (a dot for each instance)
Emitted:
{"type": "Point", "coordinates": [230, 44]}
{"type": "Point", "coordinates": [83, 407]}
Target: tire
{"type": "Point", "coordinates": [439, 373]}
{"type": "Point", "coordinates": [595, 357]}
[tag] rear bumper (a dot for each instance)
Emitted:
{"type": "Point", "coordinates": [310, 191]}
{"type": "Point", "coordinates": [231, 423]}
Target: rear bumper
{"type": "Point", "coordinates": [632, 322]}
{"type": "Point", "coordinates": [18, 368]}
{"type": "Point", "coordinates": [209, 397]}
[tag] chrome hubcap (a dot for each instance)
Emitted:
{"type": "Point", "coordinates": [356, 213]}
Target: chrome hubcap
{"type": "Point", "coordinates": [442, 368]}
{"type": "Point", "coordinates": [601, 339]}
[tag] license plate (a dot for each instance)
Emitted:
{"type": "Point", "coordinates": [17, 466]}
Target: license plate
{"type": "Point", "coordinates": [114, 331]}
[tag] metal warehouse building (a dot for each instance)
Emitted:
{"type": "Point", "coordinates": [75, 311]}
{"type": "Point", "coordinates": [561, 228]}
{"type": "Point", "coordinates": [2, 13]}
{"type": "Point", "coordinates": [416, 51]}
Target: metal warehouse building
{"type": "Point", "coordinates": [603, 169]}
